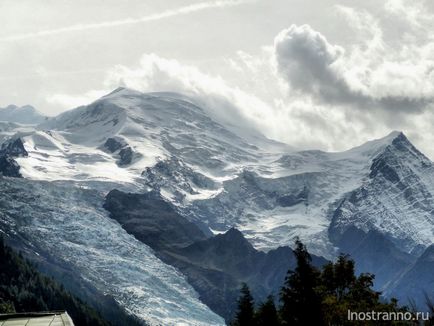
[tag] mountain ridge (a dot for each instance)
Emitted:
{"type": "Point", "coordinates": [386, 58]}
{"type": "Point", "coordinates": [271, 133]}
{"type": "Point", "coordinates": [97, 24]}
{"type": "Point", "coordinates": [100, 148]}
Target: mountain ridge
{"type": "Point", "coordinates": [26, 114]}
{"type": "Point", "coordinates": [379, 194]}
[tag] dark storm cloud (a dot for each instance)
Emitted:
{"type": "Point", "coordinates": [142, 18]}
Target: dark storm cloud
{"type": "Point", "coordinates": [311, 65]}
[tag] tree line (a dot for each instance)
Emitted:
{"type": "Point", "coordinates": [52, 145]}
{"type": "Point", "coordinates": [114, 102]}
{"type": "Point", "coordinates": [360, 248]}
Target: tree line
{"type": "Point", "coordinates": [24, 289]}
{"type": "Point", "coordinates": [326, 296]}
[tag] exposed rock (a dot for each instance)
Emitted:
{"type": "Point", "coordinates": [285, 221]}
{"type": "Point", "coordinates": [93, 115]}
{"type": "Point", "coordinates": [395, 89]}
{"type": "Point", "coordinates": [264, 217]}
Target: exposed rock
{"type": "Point", "coordinates": [376, 254]}
{"type": "Point", "coordinates": [126, 156]}
{"type": "Point", "coordinates": [9, 167]}
{"type": "Point", "coordinates": [151, 220]}
{"type": "Point", "coordinates": [114, 144]}
{"type": "Point", "coordinates": [214, 266]}
{"type": "Point", "coordinates": [177, 177]}
{"type": "Point", "coordinates": [120, 146]}
{"type": "Point", "coordinates": [13, 148]}
{"type": "Point", "coordinates": [10, 150]}
{"type": "Point", "coordinates": [417, 282]}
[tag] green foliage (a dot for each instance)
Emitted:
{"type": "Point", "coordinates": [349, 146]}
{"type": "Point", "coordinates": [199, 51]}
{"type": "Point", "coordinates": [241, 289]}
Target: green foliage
{"type": "Point", "coordinates": [24, 289]}
{"type": "Point", "coordinates": [311, 296]}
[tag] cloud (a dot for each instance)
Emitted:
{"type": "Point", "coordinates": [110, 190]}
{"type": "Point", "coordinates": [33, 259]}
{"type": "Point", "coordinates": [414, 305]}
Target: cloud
{"type": "Point", "coordinates": [298, 121]}
{"type": "Point", "coordinates": [370, 76]}
{"type": "Point", "coordinates": [68, 101]}
{"type": "Point", "coordinates": [306, 91]}
{"type": "Point", "coordinates": [309, 63]}
{"type": "Point", "coordinates": [226, 103]}
{"type": "Point", "coordinates": [128, 21]}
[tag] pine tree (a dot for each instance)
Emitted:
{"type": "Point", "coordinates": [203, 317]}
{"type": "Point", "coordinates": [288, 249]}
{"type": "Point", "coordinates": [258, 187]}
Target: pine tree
{"type": "Point", "coordinates": [245, 313]}
{"type": "Point", "coordinates": [313, 297]}
{"type": "Point", "coordinates": [300, 298]}
{"type": "Point", "coordinates": [267, 313]}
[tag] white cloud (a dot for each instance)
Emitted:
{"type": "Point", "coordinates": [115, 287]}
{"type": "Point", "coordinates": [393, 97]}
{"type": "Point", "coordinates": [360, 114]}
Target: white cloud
{"type": "Point", "coordinates": [128, 21]}
{"type": "Point", "coordinates": [309, 92]}
{"type": "Point", "coordinates": [373, 75]}
{"type": "Point", "coordinates": [227, 103]}
{"type": "Point", "coordinates": [68, 101]}
{"type": "Point", "coordinates": [309, 63]}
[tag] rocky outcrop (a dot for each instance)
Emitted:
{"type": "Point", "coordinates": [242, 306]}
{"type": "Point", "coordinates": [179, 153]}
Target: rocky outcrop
{"type": "Point", "coordinates": [9, 150]}
{"type": "Point", "coordinates": [113, 144]}
{"type": "Point", "coordinates": [151, 220]}
{"type": "Point", "coordinates": [215, 266]}
{"type": "Point", "coordinates": [375, 253]}
{"type": "Point", "coordinates": [177, 177]}
{"type": "Point", "coordinates": [117, 145]}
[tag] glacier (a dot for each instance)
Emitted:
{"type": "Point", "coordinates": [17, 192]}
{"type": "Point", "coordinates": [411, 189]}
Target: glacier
{"type": "Point", "coordinates": [70, 224]}
{"type": "Point", "coordinates": [214, 176]}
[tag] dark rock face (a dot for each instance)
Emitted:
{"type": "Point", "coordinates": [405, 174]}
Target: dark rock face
{"type": "Point", "coordinates": [114, 144]}
{"type": "Point", "coordinates": [229, 257]}
{"type": "Point", "coordinates": [10, 150]}
{"type": "Point", "coordinates": [417, 282]}
{"type": "Point", "coordinates": [374, 253]}
{"type": "Point", "coordinates": [230, 252]}
{"type": "Point", "coordinates": [381, 203]}
{"type": "Point", "coordinates": [14, 148]}
{"type": "Point", "coordinates": [174, 174]}
{"type": "Point", "coordinates": [124, 151]}
{"type": "Point", "coordinates": [214, 266]}
{"type": "Point", "coordinates": [379, 223]}
{"type": "Point", "coordinates": [9, 167]}
{"type": "Point", "coordinates": [126, 156]}
{"type": "Point", "coordinates": [151, 220]}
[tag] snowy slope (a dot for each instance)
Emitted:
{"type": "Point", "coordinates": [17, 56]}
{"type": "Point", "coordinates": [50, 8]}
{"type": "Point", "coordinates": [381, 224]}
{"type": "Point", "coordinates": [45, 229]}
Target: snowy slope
{"type": "Point", "coordinates": [215, 176]}
{"type": "Point", "coordinates": [152, 126]}
{"type": "Point", "coordinates": [294, 196]}
{"type": "Point", "coordinates": [396, 199]}
{"type": "Point", "coordinates": [70, 224]}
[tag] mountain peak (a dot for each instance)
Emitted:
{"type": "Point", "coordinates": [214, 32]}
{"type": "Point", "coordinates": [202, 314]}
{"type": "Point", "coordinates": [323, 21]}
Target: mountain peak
{"type": "Point", "coordinates": [392, 137]}
{"type": "Point", "coordinates": [25, 114]}
{"type": "Point", "coordinates": [377, 146]}
{"type": "Point", "coordinates": [233, 233]}
{"type": "Point", "coordinates": [121, 90]}
{"type": "Point", "coordinates": [395, 134]}
{"type": "Point", "coordinates": [235, 238]}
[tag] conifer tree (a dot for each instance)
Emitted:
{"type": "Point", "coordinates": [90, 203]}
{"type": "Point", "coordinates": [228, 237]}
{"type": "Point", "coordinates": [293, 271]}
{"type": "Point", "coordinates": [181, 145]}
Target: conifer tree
{"type": "Point", "coordinates": [267, 313]}
{"type": "Point", "coordinates": [245, 313]}
{"type": "Point", "coordinates": [301, 302]}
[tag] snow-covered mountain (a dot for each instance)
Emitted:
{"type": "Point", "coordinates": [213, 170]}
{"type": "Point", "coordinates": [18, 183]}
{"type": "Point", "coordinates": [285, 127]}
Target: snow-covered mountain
{"type": "Point", "coordinates": [164, 141]}
{"type": "Point", "coordinates": [217, 178]}
{"type": "Point", "coordinates": [25, 115]}
{"type": "Point", "coordinates": [118, 136]}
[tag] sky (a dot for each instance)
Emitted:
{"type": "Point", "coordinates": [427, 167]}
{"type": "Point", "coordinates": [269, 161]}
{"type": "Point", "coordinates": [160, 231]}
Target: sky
{"type": "Point", "coordinates": [323, 74]}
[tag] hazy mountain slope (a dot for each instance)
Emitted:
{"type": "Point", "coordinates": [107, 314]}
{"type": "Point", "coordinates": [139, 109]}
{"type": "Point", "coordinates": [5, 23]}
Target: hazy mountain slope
{"type": "Point", "coordinates": [26, 115]}
{"type": "Point", "coordinates": [69, 223]}
{"type": "Point", "coordinates": [219, 177]}
{"type": "Point", "coordinates": [216, 178]}
{"type": "Point", "coordinates": [417, 282]}
{"type": "Point", "coordinates": [217, 266]}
